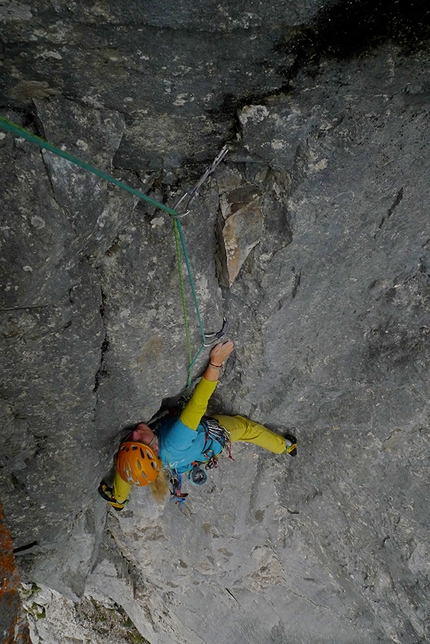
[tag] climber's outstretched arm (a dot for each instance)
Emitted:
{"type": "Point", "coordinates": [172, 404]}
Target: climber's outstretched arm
{"type": "Point", "coordinates": [196, 407]}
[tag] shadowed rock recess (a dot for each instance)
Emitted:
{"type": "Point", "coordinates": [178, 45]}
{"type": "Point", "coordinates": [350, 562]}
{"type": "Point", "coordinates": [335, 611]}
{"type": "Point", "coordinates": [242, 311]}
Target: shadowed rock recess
{"type": "Point", "coordinates": [312, 238]}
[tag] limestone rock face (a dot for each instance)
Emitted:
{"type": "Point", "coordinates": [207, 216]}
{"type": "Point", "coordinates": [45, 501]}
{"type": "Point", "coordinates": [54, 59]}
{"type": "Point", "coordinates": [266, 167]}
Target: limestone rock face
{"type": "Point", "coordinates": [312, 238]}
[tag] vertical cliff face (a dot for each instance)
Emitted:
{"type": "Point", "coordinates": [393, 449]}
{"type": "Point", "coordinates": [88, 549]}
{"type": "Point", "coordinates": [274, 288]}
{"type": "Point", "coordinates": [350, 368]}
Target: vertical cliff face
{"type": "Point", "coordinates": [312, 238]}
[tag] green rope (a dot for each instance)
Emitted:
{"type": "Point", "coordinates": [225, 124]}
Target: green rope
{"type": "Point", "coordinates": [191, 367]}
{"type": "Point", "coordinates": [19, 131]}
{"type": "Point", "coordinates": [179, 232]}
{"type": "Point", "coordinates": [191, 361]}
{"type": "Point", "coordinates": [179, 235]}
{"type": "Point", "coordinates": [190, 279]}
{"type": "Point", "coordinates": [182, 287]}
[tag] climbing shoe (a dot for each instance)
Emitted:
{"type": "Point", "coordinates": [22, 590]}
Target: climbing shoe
{"type": "Point", "coordinates": [291, 444]}
{"type": "Point", "coordinates": [106, 493]}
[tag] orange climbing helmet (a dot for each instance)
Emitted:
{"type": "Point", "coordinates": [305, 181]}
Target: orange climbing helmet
{"type": "Point", "coordinates": [137, 464]}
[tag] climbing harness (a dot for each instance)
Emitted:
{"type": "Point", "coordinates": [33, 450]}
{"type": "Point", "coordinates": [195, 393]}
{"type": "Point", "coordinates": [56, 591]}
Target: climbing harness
{"type": "Point", "coordinates": [197, 475]}
{"type": "Point", "coordinates": [186, 199]}
{"type": "Point", "coordinates": [215, 432]}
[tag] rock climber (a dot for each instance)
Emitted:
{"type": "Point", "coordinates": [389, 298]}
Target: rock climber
{"type": "Point", "coordinates": [158, 454]}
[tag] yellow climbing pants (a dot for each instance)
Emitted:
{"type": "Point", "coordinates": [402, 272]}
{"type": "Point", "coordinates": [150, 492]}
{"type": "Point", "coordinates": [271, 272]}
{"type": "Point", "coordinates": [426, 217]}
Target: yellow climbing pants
{"type": "Point", "coordinates": [240, 429]}
{"type": "Point", "coordinates": [247, 431]}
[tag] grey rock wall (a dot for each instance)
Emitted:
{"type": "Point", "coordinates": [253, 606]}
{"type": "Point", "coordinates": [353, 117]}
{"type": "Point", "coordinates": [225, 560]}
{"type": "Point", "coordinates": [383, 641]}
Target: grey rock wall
{"type": "Point", "coordinates": [312, 238]}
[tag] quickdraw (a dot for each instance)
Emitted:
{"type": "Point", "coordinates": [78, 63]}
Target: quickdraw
{"type": "Point", "coordinates": [206, 338]}
{"type": "Point", "coordinates": [193, 192]}
{"type": "Point", "coordinates": [210, 338]}
{"type": "Point", "coordinates": [216, 432]}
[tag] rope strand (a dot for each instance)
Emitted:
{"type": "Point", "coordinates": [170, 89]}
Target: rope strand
{"type": "Point", "coordinates": [182, 287]}
{"type": "Point", "coordinates": [32, 138]}
{"type": "Point", "coordinates": [178, 231]}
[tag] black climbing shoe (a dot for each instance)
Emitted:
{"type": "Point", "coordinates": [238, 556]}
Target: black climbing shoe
{"type": "Point", "coordinates": [291, 449]}
{"type": "Point", "coordinates": [106, 493]}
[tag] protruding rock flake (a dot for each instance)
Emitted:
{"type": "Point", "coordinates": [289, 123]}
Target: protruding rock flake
{"type": "Point", "coordinates": [242, 226]}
